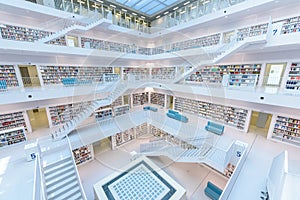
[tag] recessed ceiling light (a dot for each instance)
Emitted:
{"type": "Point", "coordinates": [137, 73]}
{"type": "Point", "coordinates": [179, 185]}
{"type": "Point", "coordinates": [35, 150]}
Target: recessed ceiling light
{"type": "Point", "coordinates": [166, 12]}
{"type": "Point", "coordinates": [112, 6]}
{"type": "Point", "coordinates": [175, 8]}
{"type": "Point", "coordinates": [205, 2]}
{"type": "Point", "coordinates": [157, 16]}
{"type": "Point", "coordinates": [124, 10]}
{"type": "Point", "coordinates": [186, 2]}
{"type": "Point", "coordinates": [182, 12]}
{"type": "Point", "coordinates": [142, 17]}
{"type": "Point", "coordinates": [100, 1]}
{"type": "Point", "coordinates": [133, 13]}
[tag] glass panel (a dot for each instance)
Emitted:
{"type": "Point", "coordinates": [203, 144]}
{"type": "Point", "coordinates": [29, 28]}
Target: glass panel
{"type": "Point", "coordinates": [59, 4]}
{"type": "Point", "coordinates": [68, 5]}
{"type": "Point", "coordinates": [84, 7]}
{"type": "Point", "coordinates": [76, 5]}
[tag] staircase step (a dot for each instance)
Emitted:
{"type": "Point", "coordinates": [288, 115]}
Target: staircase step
{"type": "Point", "coordinates": [65, 192]}
{"type": "Point", "coordinates": [48, 169]}
{"type": "Point", "coordinates": [62, 182]}
{"type": "Point", "coordinates": [65, 169]}
{"type": "Point", "coordinates": [66, 176]}
{"type": "Point", "coordinates": [77, 196]}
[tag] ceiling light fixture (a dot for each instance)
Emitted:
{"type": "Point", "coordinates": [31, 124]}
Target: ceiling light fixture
{"type": "Point", "coordinates": [134, 13]}
{"type": "Point", "coordinates": [142, 17]}
{"type": "Point", "coordinates": [193, 7]}
{"type": "Point", "coordinates": [186, 3]}
{"type": "Point", "coordinates": [157, 16]}
{"type": "Point", "coordinates": [124, 10]}
{"type": "Point", "coordinates": [99, 1]}
{"type": "Point", "coordinates": [175, 8]}
{"type": "Point", "coordinates": [205, 2]}
{"type": "Point", "coordinates": [166, 12]}
{"type": "Point", "coordinates": [112, 6]}
{"type": "Point", "coordinates": [182, 12]}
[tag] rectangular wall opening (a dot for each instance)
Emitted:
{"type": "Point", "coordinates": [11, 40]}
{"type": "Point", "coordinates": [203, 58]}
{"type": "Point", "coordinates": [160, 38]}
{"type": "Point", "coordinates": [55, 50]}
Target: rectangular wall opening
{"type": "Point", "coordinates": [38, 118]}
{"type": "Point", "coordinates": [29, 75]}
{"type": "Point", "coordinates": [260, 123]}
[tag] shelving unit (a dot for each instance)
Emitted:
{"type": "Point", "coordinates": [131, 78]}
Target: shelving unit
{"type": "Point", "coordinates": [140, 98]}
{"type": "Point", "coordinates": [293, 81]}
{"type": "Point", "coordinates": [252, 31]}
{"type": "Point", "coordinates": [287, 129]}
{"type": "Point", "coordinates": [141, 129]}
{"type": "Point", "coordinates": [63, 113]}
{"type": "Point", "coordinates": [123, 137]}
{"type": "Point", "coordinates": [208, 74]}
{"type": "Point", "coordinates": [157, 98]}
{"type": "Point", "coordinates": [102, 114]}
{"type": "Point", "coordinates": [163, 73]}
{"type": "Point", "coordinates": [10, 32]}
{"type": "Point", "coordinates": [12, 136]}
{"type": "Point", "coordinates": [245, 80]}
{"type": "Point", "coordinates": [110, 77]}
{"type": "Point", "coordinates": [83, 154]}
{"type": "Point", "coordinates": [8, 74]}
{"type": "Point", "coordinates": [58, 41]}
{"type": "Point", "coordinates": [137, 73]}
{"type": "Point", "coordinates": [291, 25]}
{"type": "Point", "coordinates": [117, 102]}
{"type": "Point", "coordinates": [54, 74]}
{"type": "Point", "coordinates": [232, 116]}
{"type": "Point", "coordinates": [12, 120]}
{"type": "Point", "coordinates": [121, 110]}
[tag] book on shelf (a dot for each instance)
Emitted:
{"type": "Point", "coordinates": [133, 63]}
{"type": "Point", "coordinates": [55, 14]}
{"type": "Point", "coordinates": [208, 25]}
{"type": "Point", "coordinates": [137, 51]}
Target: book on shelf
{"type": "Point", "coordinates": [83, 154]}
{"type": "Point", "coordinates": [12, 136]}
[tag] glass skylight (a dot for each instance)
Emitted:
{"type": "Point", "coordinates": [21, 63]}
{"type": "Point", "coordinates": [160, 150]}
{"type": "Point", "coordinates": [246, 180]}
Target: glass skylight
{"type": "Point", "coordinates": [148, 7]}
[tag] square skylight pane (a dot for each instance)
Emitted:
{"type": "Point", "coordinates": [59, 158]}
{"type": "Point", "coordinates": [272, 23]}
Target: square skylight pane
{"type": "Point", "coordinates": [142, 4]}
{"type": "Point", "coordinates": [169, 2]}
{"type": "Point", "coordinates": [156, 9]}
{"type": "Point", "coordinates": [121, 1]}
{"type": "Point", "coordinates": [130, 3]}
{"type": "Point", "coordinates": [149, 6]}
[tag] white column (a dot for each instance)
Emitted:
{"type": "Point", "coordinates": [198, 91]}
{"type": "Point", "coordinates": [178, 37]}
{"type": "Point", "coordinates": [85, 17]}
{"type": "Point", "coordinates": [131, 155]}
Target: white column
{"type": "Point", "coordinates": [262, 74]}
{"type": "Point", "coordinates": [165, 106]}
{"type": "Point", "coordinates": [38, 69]}
{"type": "Point", "coordinates": [285, 75]}
{"type": "Point", "coordinates": [27, 122]}
{"type": "Point", "coordinates": [49, 117]}
{"type": "Point", "coordinates": [271, 128]}
{"type": "Point", "coordinates": [18, 75]}
{"type": "Point", "coordinates": [247, 121]}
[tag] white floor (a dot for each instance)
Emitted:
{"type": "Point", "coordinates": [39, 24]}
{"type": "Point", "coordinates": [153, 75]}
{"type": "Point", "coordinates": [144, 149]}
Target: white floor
{"type": "Point", "coordinates": [16, 174]}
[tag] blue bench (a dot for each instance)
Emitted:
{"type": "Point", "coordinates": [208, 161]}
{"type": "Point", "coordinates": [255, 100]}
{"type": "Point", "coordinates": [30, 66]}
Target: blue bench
{"type": "Point", "coordinates": [150, 108]}
{"type": "Point", "coordinates": [3, 85]}
{"type": "Point", "coordinates": [214, 128]}
{"type": "Point", "coordinates": [175, 115]}
{"type": "Point", "coordinates": [212, 191]}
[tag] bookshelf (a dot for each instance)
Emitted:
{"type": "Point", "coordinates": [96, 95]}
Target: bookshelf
{"type": "Point", "coordinates": [137, 73]}
{"type": "Point", "coordinates": [110, 77]}
{"type": "Point", "coordinates": [8, 74]}
{"type": "Point", "coordinates": [83, 154]}
{"type": "Point", "coordinates": [163, 73]}
{"type": "Point", "coordinates": [123, 137]}
{"type": "Point", "coordinates": [252, 31]}
{"type": "Point", "coordinates": [12, 136]}
{"type": "Point", "coordinates": [209, 74]}
{"type": "Point", "coordinates": [10, 32]}
{"type": "Point", "coordinates": [293, 80]}
{"type": "Point", "coordinates": [63, 113]}
{"type": "Point", "coordinates": [231, 116]}
{"type": "Point", "coordinates": [157, 99]}
{"type": "Point", "coordinates": [287, 129]}
{"type": "Point", "coordinates": [291, 25]}
{"type": "Point", "coordinates": [102, 114]}
{"type": "Point", "coordinates": [117, 102]}
{"type": "Point", "coordinates": [121, 110]}
{"type": "Point", "coordinates": [141, 129]}
{"type": "Point", "coordinates": [140, 98]}
{"type": "Point", "coordinates": [54, 74]}
{"type": "Point", "coordinates": [245, 80]}
{"type": "Point", "coordinates": [12, 120]}
{"type": "Point", "coordinates": [61, 41]}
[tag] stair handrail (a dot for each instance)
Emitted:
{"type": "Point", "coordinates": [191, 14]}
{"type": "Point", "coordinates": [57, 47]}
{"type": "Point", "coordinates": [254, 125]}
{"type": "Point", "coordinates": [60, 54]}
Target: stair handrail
{"type": "Point", "coordinates": [39, 179]}
{"type": "Point", "coordinates": [75, 168]}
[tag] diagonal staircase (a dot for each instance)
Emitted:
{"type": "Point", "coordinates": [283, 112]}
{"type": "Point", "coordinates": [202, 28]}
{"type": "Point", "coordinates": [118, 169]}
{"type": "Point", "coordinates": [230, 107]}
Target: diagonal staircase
{"type": "Point", "coordinates": [60, 178]}
{"type": "Point", "coordinates": [70, 25]}
{"type": "Point", "coordinates": [222, 53]}
{"type": "Point", "coordinates": [117, 90]}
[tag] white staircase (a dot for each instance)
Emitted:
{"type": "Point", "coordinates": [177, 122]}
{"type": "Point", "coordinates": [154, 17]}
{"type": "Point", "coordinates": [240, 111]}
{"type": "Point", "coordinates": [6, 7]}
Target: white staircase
{"type": "Point", "coordinates": [60, 177]}
{"type": "Point", "coordinates": [71, 25]}
{"type": "Point", "coordinates": [117, 89]}
{"type": "Point", "coordinates": [223, 52]}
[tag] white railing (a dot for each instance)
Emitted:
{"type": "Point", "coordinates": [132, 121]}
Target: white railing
{"type": "Point", "coordinates": [75, 168]}
{"type": "Point", "coordinates": [39, 191]}
{"type": "Point", "coordinates": [31, 81]}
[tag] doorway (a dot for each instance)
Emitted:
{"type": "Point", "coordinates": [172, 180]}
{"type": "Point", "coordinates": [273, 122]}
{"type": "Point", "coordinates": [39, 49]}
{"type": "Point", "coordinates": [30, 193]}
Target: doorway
{"type": "Point", "coordinates": [29, 76]}
{"type": "Point", "coordinates": [260, 123]}
{"type": "Point", "coordinates": [38, 118]}
{"type": "Point", "coordinates": [228, 36]}
{"type": "Point", "coordinates": [102, 146]}
{"type": "Point", "coordinates": [170, 100]}
{"type": "Point", "coordinates": [273, 74]}
{"type": "Point", "coordinates": [72, 41]}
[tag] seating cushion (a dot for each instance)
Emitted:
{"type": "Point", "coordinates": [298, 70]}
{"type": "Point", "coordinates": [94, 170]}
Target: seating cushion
{"type": "Point", "coordinates": [214, 127]}
{"type": "Point", "coordinates": [212, 191]}
{"type": "Point", "coordinates": [173, 111]}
